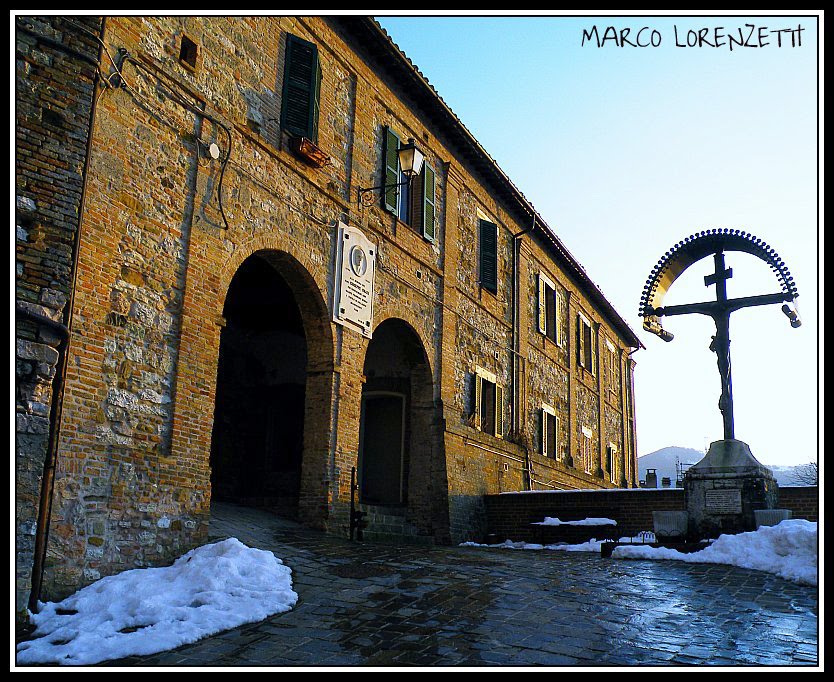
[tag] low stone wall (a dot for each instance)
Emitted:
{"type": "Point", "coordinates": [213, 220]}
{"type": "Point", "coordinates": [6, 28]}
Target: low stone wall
{"type": "Point", "coordinates": [510, 515]}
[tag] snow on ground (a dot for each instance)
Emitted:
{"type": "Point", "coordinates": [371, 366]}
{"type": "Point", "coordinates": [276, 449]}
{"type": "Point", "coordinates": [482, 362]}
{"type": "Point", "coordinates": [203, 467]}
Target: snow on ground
{"type": "Point", "coordinates": [143, 611]}
{"type": "Point", "coordinates": [551, 521]}
{"type": "Point", "coordinates": [788, 549]}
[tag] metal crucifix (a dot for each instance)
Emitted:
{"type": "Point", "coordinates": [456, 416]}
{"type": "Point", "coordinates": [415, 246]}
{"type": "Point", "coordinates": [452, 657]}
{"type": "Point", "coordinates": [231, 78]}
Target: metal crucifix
{"type": "Point", "coordinates": [691, 250]}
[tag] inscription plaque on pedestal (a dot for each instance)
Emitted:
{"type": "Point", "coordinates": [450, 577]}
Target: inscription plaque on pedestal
{"type": "Point", "coordinates": [723, 501]}
{"type": "Point", "coordinates": [353, 290]}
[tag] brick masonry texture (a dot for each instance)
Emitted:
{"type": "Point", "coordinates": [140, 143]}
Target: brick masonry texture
{"type": "Point", "coordinates": [167, 226]}
{"type": "Point", "coordinates": [54, 94]}
{"type": "Point", "coordinates": [509, 516]}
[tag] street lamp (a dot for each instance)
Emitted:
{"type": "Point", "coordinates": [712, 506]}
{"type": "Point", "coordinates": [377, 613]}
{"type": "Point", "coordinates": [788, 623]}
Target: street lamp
{"type": "Point", "coordinates": [411, 164]}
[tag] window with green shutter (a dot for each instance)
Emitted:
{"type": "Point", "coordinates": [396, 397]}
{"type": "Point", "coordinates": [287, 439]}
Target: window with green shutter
{"type": "Point", "coordinates": [489, 255]}
{"type": "Point", "coordinates": [414, 202]}
{"type": "Point", "coordinates": [302, 83]}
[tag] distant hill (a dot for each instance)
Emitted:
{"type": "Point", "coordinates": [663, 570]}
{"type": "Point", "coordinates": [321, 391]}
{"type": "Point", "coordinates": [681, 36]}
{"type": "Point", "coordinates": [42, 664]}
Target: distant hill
{"type": "Point", "coordinates": [666, 459]}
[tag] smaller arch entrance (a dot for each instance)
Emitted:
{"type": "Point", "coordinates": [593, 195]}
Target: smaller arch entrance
{"type": "Point", "coordinates": [400, 474]}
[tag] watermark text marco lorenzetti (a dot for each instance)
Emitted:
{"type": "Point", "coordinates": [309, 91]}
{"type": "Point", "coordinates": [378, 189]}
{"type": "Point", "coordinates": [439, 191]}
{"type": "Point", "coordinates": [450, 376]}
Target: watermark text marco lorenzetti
{"type": "Point", "coordinates": [741, 37]}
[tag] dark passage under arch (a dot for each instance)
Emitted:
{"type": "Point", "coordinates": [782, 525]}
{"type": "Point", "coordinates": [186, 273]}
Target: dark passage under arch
{"type": "Point", "coordinates": [257, 441]}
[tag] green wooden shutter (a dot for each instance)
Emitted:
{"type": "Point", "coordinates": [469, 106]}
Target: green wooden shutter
{"type": "Point", "coordinates": [543, 432]}
{"type": "Point", "coordinates": [428, 217]}
{"type": "Point", "coordinates": [302, 81]}
{"type": "Point", "coordinates": [390, 171]}
{"type": "Point", "coordinates": [314, 118]}
{"type": "Point", "coordinates": [550, 312]}
{"type": "Point", "coordinates": [478, 394]}
{"type": "Point", "coordinates": [489, 255]}
{"type": "Point", "coordinates": [542, 293]}
{"type": "Point", "coordinates": [499, 411]}
{"type": "Point", "coordinates": [559, 312]}
{"type": "Point", "coordinates": [590, 349]}
{"type": "Point", "coordinates": [555, 438]}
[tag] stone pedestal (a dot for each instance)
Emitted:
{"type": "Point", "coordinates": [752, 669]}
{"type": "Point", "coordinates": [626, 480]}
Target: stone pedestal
{"type": "Point", "coordinates": [725, 488]}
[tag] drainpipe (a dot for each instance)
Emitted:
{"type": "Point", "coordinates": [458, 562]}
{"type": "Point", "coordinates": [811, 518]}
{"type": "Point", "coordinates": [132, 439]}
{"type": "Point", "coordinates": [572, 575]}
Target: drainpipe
{"type": "Point", "coordinates": [515, 339]}
{"type": "Point", "coordinates": [58, 382]}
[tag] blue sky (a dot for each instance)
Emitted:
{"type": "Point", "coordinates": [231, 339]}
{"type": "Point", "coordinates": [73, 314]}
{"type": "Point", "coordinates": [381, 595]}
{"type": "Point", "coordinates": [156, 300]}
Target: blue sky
{"type": "Point", "coordinates": [625, 151]}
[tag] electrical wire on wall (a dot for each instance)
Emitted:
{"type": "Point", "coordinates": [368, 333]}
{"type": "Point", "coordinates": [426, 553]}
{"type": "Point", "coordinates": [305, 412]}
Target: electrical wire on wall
{"type": "Point", "coordinates": [121, 81]}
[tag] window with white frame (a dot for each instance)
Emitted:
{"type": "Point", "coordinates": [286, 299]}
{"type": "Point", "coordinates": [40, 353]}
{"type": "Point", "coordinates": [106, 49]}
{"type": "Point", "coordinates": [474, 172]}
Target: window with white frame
{"type": "Point", "coordinates": [549, 309]}
{"type": "Point", "coordinates": [611, 367]}
{"type": "Point", "coordinates": [549, 432]}
{"type": "Point", "coordinates": [488, 408]}
{"type": "Point", "coordinates": [585, 347]}
{"type": "Point", "coordinates": [612, 462]}
{"type": "Point", "coordinates": [586, 450]}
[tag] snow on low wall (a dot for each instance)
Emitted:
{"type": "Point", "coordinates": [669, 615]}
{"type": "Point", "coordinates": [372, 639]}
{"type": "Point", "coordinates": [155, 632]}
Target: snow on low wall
{"type": "Point", "coordinates": [510, 515]}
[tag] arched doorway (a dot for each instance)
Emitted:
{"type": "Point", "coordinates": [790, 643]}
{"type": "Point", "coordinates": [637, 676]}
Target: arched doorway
{"type": "Point", "coordinates": [266, 401]}
{"type": "Point", "coordinates": [400, 472]}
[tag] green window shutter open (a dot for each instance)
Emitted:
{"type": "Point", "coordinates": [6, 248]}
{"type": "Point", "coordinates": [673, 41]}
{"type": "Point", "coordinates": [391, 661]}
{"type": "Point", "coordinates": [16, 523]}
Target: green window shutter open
{"type": "Point", "coordinates": [489, 255]}
{"type": "Point", "coordinates": [428, 217]}
{"type": "Point", "coordinates": [499, 411]}
{"type": "Point", "coordinates": [390, 170]}
{"type": "Point", "coordinates": [542, 294]}
{"type": "Point", "coordinates": [477, 400]}
{"type": "Point", "coordinates": [550, 312]}
{"type": "Point", "coordinates": [560, 339]}
{"type": "Point", "coordinates": [302, 83]}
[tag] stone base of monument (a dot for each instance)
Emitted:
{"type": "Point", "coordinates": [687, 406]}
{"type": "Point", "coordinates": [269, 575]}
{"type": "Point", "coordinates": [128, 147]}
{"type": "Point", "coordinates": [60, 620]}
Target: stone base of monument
{"type": "Point", "coordinates": [725, 489]}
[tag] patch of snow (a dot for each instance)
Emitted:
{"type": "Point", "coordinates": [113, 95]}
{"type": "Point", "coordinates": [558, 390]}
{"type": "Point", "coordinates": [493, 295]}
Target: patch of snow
{"type": "Point", "coordinates": [550, 521]}
{"type": "Point", "coordinates": [143, 611]}
{"type": "Point", "coordinates": [593, 545]}
{"type": "Point", "coordinates": [788, 549]}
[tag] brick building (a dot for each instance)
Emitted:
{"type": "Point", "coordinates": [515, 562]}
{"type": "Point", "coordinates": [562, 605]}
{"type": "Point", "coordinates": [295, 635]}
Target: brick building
{"type": "Point", "coordinates": [257, 299]}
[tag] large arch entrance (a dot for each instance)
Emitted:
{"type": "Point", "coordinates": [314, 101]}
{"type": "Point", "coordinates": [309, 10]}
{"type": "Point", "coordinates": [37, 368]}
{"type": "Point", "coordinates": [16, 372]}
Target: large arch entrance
{"type": "Point", "coordinates": [400, 473]}
{"type": "Point", "coordinates": [269, 421]}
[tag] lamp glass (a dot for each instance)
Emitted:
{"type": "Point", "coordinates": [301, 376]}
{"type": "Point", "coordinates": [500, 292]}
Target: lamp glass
{"type": "Point", "coordinates": [411, 159]}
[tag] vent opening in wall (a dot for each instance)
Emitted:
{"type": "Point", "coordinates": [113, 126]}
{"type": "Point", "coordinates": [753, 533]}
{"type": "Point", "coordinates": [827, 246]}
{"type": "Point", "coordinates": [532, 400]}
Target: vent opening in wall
{"type": "Point", "coordinates": [188, 52]}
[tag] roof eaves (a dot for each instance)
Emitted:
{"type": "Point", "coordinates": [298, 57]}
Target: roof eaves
{"type": "Point", "coordinates": [400, 61]}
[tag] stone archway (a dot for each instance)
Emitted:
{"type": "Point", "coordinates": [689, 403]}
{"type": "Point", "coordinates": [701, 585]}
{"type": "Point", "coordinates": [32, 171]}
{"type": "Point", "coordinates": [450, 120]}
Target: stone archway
{"type": "Point", "coordinates": [400, 471]}
{"type": "Point", "coordinates": [274, 377]}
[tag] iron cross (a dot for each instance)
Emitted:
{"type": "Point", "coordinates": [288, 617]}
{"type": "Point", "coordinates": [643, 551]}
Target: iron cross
{"type": "Point", "coordinates": [720, 310]}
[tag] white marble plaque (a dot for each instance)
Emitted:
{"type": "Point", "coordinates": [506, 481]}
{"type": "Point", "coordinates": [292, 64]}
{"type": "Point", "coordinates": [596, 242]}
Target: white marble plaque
{"type": "Point", "coordinates": [726, 501]}
{"type": "Point", "coordinates": [353, 291]}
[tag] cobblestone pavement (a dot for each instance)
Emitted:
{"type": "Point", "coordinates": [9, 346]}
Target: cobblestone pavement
{"type": "Point", "coordinates": [368, 604]}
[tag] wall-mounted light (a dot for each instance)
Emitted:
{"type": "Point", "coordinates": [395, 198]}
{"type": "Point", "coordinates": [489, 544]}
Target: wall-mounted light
{"type": "Point", "coordinates": [411, 164]}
